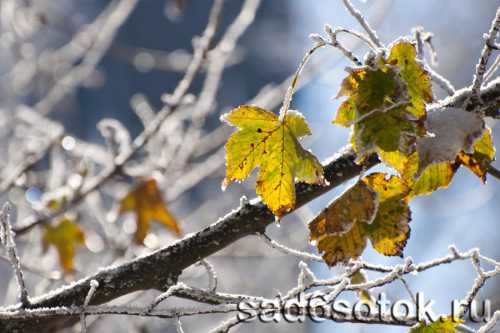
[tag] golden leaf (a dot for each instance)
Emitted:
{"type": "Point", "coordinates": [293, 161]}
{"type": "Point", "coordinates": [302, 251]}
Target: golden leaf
{"type": "Point", "coordinates": [147, 203]}
{"type": "Point", "coordinates": [264, 141]}
{"type": "Point", "coordinates": [65, 236]}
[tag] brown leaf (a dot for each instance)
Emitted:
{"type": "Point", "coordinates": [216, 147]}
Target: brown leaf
{"type": "Point", "coordinates": [147, 203]}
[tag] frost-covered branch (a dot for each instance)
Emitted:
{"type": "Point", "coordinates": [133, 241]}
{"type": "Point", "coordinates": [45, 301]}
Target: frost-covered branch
{"type": "Point", "coordinates": [7, 240]}
{"type": "Point", "coordinates": [490, 38]}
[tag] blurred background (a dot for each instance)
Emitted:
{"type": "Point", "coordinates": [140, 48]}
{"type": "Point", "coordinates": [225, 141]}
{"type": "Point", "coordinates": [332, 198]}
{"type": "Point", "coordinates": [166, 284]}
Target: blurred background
{"type": "Point", "coordinates": [144, 58]}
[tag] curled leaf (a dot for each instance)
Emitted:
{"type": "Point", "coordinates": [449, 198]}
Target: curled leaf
{"type": "Point", "coordinates": [452, 131]}
{"type": "Point", "coordinates": [147, 203]}
{"type": "Point", "coordinates": [263, 141]}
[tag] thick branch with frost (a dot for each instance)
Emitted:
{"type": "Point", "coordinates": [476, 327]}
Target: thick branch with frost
{"type": "Point", "coordinates": [160, 269]}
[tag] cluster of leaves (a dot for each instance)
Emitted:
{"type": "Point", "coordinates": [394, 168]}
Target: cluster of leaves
{"type": "Point", "coordinates": [385, 107]}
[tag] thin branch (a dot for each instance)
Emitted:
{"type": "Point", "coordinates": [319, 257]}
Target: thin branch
{"type": "Point", "coordinates": [332, 34]}
{"type": "Point", "coordinates": [282, 248]}
{"type": "Point", "coordinates": [212, 275]}
{"type": "Point", "coordinates": [150, 131]}
{"type": "Point", "coordinates": [485, 55]}
{"type": "Point", "coordinates": [492, 70]}
{"type": "Point", "coordinates": [364, 23]}
{"type": "Point", "coordinates": [494, 172]}
{"type": "Point", "coordinates": [7, 239]}
{"type": "Point", "coordinates": [93, 287]}
{"type": "Point", "coordinates": [491, 323]}
{"type": "Point", "coordinates": [80, 72]}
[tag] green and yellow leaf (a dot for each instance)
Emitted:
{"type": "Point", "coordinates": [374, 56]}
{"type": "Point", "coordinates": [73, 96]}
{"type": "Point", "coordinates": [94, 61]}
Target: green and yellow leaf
{"type": "Point", "coordinates": [386, 105]}
{"type": "Point", "coordinates": [66, 236]}
{"type": "Point", "coordinates": [263, 141]}
{"type": "Point", "coordinates": [147, 203]}
{"type": "Point", "coordinates": [366, 90]}
{"type": "Point", "coordinates": [403, 55]}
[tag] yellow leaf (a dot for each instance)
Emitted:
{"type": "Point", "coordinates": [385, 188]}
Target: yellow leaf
{"type": "Point", "coordinates": [434, 176]}
{"type": "Point", "coordinates": [481, 157]}
{"type": "Point", "coordinates": [388, 230]}
{"type": "Point", "coordinates": [65, 236]}
{"type": "Point", "coordinates": [403, 55]}
{"type": "Point", "coordinates": [147, 203]}
{"type": "Point", "coordinates": [445, 325]}
{"type": "Point", "coordinates": [264, 141]}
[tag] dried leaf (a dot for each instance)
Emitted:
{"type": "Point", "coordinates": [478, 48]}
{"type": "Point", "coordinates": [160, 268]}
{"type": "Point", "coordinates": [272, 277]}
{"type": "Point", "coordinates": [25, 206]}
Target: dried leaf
{"type": "Point", "coordinates": [65, 236]}
{"type": "Point", "coordinates": [358, 204]}
{"type": "Point", "coordinates": [388, 232]}
{"type": "Point", "coordinates": [265, 142]}
{"type": "Point", "coordinates": [147, 203]}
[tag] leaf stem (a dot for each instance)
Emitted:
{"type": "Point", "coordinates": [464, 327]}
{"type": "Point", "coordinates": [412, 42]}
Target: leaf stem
{"type": "Point", "coordinates": [295, 79]}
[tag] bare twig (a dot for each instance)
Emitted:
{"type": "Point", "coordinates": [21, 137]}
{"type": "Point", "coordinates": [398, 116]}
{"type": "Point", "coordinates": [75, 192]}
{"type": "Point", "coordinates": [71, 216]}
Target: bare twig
{"type": "Point", "coordinates": [7, 239]}
{"type": "Point", "coordinates": [485, 55]}
{"type": "Point", "coordinates": [364, 23]}
{"type": "Point", "coordinates": [93, 286]}
{"type": "Point", "coordinates": [148, 132]}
